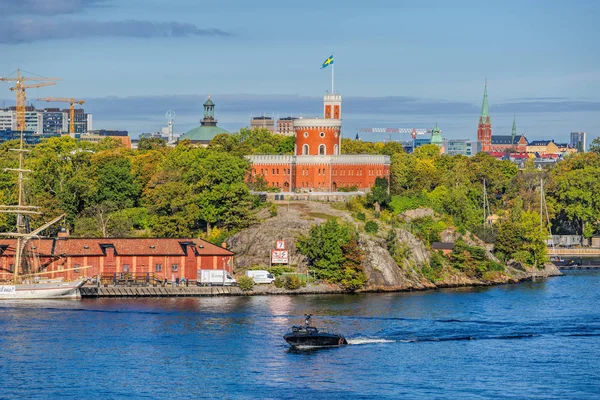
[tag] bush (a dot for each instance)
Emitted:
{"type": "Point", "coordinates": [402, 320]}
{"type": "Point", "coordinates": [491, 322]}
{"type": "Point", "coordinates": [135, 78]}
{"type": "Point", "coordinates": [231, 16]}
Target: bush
{"type": "Point", "coordinates": [356, 204]}
{"type": "Point", "coordinates": [428, 229]}
{"type": "Point", "coordinates": [273, 209]}
{"type": "Point", "coordinates": [279, 282]}
{"type": "Point", "coordinates": [371, 227]}
{"type": "Point", "coordinates": [352, 188]}
{"type": "Point", "coordinates": [278, 271]}
{"type": "Point", "coordinates": [292, 282]}
{"type": "Point", "coordinates": [245, 283]}
{"type": "Point", "coordinates": [361, 216]}
{"type": "Point", "coordinates": [399, 204]}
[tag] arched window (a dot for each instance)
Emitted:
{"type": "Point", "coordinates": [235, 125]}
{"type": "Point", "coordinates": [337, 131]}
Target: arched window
{"type": "Point", "coordinates": [305, 150]}
{"type": "Point", "coordinates": [322, 150]}
{"type": "Point", "coordinates": [335, 149]}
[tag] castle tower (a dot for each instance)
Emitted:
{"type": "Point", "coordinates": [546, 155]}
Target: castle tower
{"type": "Point", "coordinates": [484, 129]}
{"type": "Point", "coordinates": [332, 106]}
{"type": "Point", "coordinates": [317, 136]}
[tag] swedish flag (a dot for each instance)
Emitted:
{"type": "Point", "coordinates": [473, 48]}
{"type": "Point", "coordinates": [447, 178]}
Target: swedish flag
{"type": "Point", "coordinates": [327, 62]}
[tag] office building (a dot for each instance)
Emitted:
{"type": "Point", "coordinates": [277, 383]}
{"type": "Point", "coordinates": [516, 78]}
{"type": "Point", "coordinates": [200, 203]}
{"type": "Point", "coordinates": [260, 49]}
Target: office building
{"type": "Point", "coordinates": [578, 141]}
{"type": "Point", "coordinates": [285, 126]}
{"type": "Point", "coordinates": [262, 123]}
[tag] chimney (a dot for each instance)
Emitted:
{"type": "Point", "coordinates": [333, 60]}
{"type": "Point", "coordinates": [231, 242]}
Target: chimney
{"type": "Point", "coordinates": [224, 245]}
{"type": "Point", "coordinates": [63, 233]}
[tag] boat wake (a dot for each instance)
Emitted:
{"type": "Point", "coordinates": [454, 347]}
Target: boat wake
{"type": "Point", "coordinates": [369, 341]}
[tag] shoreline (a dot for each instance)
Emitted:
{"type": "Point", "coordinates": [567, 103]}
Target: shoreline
{"type": "Point", "coordinates": [88, 292]}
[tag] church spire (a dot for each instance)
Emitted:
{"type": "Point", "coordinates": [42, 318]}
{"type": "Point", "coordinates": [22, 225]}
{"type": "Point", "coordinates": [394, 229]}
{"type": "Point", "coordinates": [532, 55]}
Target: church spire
{"type": "Point", "coordinates": [485, 113]}
{"type": "Point", "coordinates": [514, 129]}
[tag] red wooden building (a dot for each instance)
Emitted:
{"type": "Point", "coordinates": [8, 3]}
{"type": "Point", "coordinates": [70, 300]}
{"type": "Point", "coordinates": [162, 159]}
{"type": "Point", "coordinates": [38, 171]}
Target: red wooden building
{"type": "Point", "coordinates": [166, 258]}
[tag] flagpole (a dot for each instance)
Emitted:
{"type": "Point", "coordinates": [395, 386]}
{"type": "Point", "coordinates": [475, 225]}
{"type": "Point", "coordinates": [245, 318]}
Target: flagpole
{"type": "Point", "coordinates": [332, 66]}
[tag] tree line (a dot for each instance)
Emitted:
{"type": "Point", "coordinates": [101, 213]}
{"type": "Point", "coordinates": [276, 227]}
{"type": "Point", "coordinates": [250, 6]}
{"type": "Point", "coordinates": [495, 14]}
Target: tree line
{"type": "Point", "coordinates": [159, 191]}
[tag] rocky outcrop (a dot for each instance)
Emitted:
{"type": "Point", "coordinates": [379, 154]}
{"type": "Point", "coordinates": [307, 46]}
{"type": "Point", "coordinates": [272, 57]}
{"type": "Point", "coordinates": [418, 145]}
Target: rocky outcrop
{"type": "Point", "coordinates": [411, 215]}
{"type": "Point", "coordinates": [383, 273]}
{"type": "Point", "coordinates": [253, 246]}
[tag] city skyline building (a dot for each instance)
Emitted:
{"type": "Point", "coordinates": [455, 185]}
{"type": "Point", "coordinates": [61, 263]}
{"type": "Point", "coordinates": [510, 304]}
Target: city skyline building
{"type": "Point", "coordinates": [578, 141]}
{"type": "Point", "coordinates": [46, 121]}
{"type": "Point", "coordinates": [285, 126]}
{"type": "Point", "coordinates": [262, 122]}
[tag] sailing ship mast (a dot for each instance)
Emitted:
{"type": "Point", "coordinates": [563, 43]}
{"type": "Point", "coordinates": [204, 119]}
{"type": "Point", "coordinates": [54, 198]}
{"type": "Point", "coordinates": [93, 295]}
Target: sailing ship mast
{"type": "Point", "coordinates": [21, 210]}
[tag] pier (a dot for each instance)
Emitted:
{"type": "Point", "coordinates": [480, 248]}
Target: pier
{"type": "Point", "coordinates": [158, 291]}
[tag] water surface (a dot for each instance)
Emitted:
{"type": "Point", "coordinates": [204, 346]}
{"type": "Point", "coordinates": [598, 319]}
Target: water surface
{"type": "Point", "coordinates": [537, 340]}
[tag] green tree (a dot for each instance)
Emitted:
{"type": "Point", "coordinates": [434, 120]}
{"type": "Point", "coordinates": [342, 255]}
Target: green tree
{"type": "Point", "coordinates": [575, 189]}
{"type": "Point", "coordinates": [594, 147]}
{"type": "Point", "coordinates": [379, 193]}
{"type": "Point", "coordinates": [115, 181]}
{"type": "Point", "coordinates": [151, 143]}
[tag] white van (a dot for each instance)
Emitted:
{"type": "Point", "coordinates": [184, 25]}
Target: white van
{"type": "Point", "coordinates": [261, 276]}
{"type": "Point", "coordinates": [215, 277]}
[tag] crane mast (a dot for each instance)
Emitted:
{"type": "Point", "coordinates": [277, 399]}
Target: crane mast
{"type": "Point", "coordinates": [19, 89]}
{"type": "Point", "coordinates": [72, 103]}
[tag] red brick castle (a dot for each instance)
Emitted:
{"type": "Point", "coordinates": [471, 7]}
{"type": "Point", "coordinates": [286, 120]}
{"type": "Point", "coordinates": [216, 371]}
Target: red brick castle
{"type": "Point", "coordinates": [317, 163]}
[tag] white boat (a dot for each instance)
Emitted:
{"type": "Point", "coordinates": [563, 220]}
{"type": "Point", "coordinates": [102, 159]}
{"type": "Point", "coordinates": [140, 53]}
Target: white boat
{"type": "Point", "coordinates": [37, 291]}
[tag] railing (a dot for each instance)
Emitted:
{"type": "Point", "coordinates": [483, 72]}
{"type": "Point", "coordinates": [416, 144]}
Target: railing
{"type": "Point", "coordinates": [577, 251]}
{"type": "Point", "coordinates": [131, 279]}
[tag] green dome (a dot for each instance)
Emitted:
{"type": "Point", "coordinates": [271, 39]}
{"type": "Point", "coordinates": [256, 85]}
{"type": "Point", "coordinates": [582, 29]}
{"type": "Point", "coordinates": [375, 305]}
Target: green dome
{"type": "Point", "coordinates": [203, 134]}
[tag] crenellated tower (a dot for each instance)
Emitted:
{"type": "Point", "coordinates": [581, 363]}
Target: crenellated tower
{"type": "Point", "coordinates": [484, 129]}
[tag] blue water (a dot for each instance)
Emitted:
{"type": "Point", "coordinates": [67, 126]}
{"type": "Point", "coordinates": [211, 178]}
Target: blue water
{"type": "Point", "coordinates": [536, 340]}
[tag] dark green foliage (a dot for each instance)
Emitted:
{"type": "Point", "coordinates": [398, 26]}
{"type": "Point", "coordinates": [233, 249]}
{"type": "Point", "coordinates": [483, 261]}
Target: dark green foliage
{"type": "Point", "coordinates": [379, 193]}
{"type": "Point", "coordinates": [361, 216]}
{"type": "Point", "coordinates": [333, 252]}
{"type": "Point", "coordinates": [245, 283]}
{"type": "Point", "coordinates": [371, 227]}
{"type": "Point", "coordinates": [472, 260]}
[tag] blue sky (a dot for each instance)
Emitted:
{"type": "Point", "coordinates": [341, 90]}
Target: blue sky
{"type": "Point", "coordinates": [398, 63]}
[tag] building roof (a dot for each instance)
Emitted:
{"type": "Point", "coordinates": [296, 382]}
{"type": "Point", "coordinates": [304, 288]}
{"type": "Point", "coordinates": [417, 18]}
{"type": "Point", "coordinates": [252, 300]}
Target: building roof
{"type": "Point", "coordinates": [519, 156]}
{"type": "Point", "coordinates": [540, 142]}
{"type": "Point", "coordinates": [436, 136]}
{"type": "Point", "coordinates": [208, 128]}
{"type": "Point", "coordinates": [442, 246]}
{"type": "Point", "coordinates": [502, 139]}
{"type": "Point", "coordinates": [203, 134]}
{"type": "Point", "coordinates": [123, 247]}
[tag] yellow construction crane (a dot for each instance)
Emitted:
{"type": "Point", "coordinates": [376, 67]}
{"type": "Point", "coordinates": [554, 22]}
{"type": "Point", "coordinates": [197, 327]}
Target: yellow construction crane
{"type": "Point", "coordinates": [72, 103]}
{"type": "Point", "coordinates": [20, 87]}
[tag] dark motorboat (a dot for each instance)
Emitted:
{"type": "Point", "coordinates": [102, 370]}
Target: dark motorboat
{"type": "Point", "coordinates": [309, 336]}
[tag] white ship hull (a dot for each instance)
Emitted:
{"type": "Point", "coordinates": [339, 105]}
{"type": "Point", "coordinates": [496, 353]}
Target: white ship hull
{"type": "Point", "coordinates": [38, 291]}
